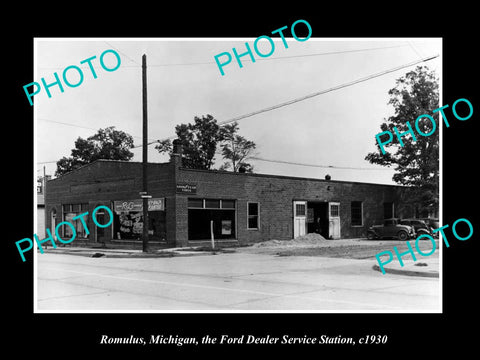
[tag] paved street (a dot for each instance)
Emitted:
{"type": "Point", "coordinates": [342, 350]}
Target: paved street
{"type": "Point", "coordinates": [230, 281]}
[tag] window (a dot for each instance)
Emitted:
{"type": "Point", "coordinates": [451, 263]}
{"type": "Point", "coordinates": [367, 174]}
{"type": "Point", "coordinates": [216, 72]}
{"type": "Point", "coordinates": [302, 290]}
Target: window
{"type": "Point", "coordinates": [300, 209]}
{"type": "Point", "coordinates": [195, 203]}
{"type": "Point", "coordinates": [357, 213]}
{"type": "Point", "coordinates": [253, 215]}
{"type": "Point", "coordinates": [334, 210]}
{"type": "Point", "coordinates": [69, 212]}
{"type": "Point", "coordinates": [212, 204]}
{"type": "Point", "coordinates": [201, 214]}
{"type": "Point", "coordinates": [228, 204]}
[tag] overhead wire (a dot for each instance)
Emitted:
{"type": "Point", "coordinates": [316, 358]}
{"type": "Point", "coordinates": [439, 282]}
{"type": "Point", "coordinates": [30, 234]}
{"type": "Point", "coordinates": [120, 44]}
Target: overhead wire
{"type": "Point", "coordinates": [293, 101]}
{"type": "Point", "coordinates": [314, 165]}
{"type": "Point", "coordinates": [283, 104]}
{"type": "Point", "coordinates": [281, 57]}
{"type": "Point", "coordinates": [137, 65]}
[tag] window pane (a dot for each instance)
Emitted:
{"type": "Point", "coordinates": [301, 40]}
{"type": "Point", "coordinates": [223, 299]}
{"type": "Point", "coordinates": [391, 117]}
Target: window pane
{"type": "Point", "coordinates": [76, 208]}
{"type": "Point", "coordinates": [356, 209]}
{"type": "Point", "coordinates": [334, 210]}
{"type": "Point", "coordinates": [252, 208]}
{"type": "Point", "coordinates": [212, 204]}
{"type": "Point", "coordinates": [228, 204]}
{"type": "Point", "coordinates": [67, 229]}
{"type": "Point", "coordinates": [253, 222]}
{"type": "Point", "coordinates": [79, 228]}
{"type": "Point", "coordinates": [300, 209]}
{"type": "Point", "coordinates": [195, 203]}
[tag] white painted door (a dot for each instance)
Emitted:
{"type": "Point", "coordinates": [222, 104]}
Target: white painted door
{"type": "Point", "coordinates": [334, 220]}
{"type": "Point", "coordinates": [299, 218]}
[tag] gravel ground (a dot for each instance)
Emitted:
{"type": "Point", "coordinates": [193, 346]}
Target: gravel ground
{"type": "Point", "coordinates": [316, 245]}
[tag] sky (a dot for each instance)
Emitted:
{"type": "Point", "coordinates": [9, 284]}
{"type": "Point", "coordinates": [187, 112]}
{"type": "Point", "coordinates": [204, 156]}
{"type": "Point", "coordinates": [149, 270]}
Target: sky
{"type": "Point", "coordinates": [336, 128]}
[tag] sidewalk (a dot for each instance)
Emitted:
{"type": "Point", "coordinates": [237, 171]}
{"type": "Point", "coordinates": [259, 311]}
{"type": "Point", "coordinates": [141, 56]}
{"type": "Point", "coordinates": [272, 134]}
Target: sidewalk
{"type": "Point", "coordinates": [425, 267]}
{"type": "Point", "coordinates": [128, 253]}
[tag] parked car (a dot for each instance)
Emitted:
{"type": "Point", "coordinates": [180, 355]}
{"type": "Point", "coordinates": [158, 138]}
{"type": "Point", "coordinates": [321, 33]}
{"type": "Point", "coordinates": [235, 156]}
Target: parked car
{"type": "Point", "coordinates": [391, 228]}
{"type": "Point", "coordinates": [420, 226]}
{"type": "Point", "coordinates": [433, 223]}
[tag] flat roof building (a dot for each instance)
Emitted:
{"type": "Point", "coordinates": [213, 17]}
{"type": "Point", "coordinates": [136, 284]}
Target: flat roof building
{"type": "Point", "coordinates": [243, 207]}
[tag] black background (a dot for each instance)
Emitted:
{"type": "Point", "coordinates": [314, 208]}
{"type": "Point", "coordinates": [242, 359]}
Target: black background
{"type": "Point", "coordinates": [409, 335]}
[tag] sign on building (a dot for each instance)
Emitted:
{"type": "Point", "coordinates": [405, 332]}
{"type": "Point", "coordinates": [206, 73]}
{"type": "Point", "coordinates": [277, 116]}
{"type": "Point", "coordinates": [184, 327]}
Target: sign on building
{"type": "Point", "coordinates": [186, 188]}
{"type": "Point", "coordinates": [154, 204]}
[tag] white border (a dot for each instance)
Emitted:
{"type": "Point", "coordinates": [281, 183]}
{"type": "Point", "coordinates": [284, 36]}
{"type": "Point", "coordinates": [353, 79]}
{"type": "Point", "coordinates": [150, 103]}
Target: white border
{"type": "Point", "coordinates": [35, 285]}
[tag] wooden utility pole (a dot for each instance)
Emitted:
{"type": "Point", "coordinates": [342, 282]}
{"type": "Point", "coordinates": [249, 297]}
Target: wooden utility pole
{"type": "Point", "coordinates": [145, 156]}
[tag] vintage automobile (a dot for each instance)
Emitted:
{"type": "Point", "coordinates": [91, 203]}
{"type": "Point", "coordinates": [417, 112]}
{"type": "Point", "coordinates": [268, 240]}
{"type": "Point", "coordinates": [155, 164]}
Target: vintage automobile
{"type": "Point", "coordinates": [420, 226]}
{"type": "Point", "coordinates": [391, 228]}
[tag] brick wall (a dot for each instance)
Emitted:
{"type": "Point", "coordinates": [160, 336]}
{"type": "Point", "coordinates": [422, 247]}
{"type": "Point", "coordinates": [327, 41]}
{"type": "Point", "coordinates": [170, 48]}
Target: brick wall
{"type": "Point", "coordinates": [276, 195]}
{"type": "Point", "coordinates": [104, 181]}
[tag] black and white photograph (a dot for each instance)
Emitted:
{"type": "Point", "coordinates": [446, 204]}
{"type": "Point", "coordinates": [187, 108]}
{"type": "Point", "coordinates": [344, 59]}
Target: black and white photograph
{"type": "Point", "coordinates": [265, 188]}
{"type": "Point", "coordinates": [293, 179]}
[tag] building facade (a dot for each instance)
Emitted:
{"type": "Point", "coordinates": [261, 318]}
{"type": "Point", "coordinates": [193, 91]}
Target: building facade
{"type": "Point", "coordinates": [188, 206]}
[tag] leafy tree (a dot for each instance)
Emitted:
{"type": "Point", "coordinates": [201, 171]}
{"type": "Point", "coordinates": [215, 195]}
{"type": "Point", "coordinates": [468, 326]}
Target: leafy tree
{"type": "Point", "coordinates": [235, 148]}
{"type": "Point", "coordinates": [417, 162]}
{"type": "Point", "coordinates": [107, 143]}
{"type": "Point", "coordinates": [199, 141]}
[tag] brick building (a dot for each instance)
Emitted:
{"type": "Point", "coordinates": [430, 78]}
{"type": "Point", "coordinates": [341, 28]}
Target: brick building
{"type": "Point", "coordinates": [244, 207]}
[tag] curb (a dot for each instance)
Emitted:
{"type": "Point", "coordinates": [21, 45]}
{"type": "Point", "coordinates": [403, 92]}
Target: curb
{"type": "Point", "coordinates": [125, 254]}
{"type": "Point", "coordinates": [407, 272]}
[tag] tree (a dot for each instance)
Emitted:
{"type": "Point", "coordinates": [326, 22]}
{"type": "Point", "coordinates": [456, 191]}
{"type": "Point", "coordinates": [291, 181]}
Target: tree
{"type": "Point", "coordinates": [199, 141]}
{"type": "Point", "coordinates": [107, 143]}
{"type": "Point", "coordinates": [235, 148]}
{"type": "Point", "coordinates": [417, 162]}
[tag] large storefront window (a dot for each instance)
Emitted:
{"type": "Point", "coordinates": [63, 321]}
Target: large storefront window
{"type": "Point", "coordinates": [128, 220]}
{"type": "Point", "coordinates": [201, 212]}
{"type": "Point", "coordinates": [69, 212]}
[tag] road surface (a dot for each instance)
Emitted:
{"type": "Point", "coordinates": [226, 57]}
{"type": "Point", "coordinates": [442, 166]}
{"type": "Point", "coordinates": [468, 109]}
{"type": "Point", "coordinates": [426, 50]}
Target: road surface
{"type": "Point", "coordinates": [226, 282]}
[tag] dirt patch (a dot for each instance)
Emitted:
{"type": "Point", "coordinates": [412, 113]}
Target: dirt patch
{"type": "Point", "coordinates": [306, 240]}
{"type": "Point", "coordinates": [317, 245]}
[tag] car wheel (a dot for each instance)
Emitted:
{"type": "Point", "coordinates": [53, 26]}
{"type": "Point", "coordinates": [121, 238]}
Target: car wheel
{"type": "Point", "coordinates": [402, 235]}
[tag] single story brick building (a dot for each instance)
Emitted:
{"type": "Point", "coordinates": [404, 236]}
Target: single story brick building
{"type": "Point", "coordinates": [243, 207]}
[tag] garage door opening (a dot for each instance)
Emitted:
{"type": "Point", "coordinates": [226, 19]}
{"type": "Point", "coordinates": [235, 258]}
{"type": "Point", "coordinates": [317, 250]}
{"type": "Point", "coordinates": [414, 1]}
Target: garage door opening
{"type": "Point", "coordinates": [317, 218]}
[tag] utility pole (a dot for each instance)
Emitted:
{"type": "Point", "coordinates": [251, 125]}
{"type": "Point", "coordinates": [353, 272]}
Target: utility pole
{"type": "Point", "coordinates": [144, 157]}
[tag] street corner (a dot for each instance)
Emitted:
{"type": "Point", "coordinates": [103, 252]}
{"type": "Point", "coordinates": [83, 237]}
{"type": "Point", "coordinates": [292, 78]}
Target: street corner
{"type": "Point", "coordinates": [420, 267]}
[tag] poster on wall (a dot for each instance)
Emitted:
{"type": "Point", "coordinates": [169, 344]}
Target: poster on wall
{"type": "Point", "coordinates": [226, 227]}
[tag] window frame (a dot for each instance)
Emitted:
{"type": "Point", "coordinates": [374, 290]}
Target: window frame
{"type": "Point", "coordinates": [257, 215]}
{"type": "Point", "coordinates": [69, 209]}
{"type": "Point", "coordinates": [361, 214]}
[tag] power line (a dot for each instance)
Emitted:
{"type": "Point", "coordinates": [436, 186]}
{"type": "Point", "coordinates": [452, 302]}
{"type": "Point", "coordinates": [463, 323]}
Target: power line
{"type": "Point", "coordinates": [369, 77]}
{"type": "Point", "coordinates": [341, 86]}
{"type": "Point", "coordinates": [121, 52]}
{"type": "Point", "coordinates": [67, 124]}
{"type": "Point", "coordinates": [279, 57]}
{"type": "Point", "coordinates": [47, 162]}
{"type": "Point", "coordinates": [137, 66]}
{"type": "Point", "coordinates": [314, 165]}
{"type": "Point", "coordinates": [83, 127]}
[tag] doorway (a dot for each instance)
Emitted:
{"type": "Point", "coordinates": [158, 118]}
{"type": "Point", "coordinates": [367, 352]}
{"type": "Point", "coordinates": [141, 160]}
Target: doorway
{"type": "Point", "coordinates": [334, 220]}
{"type": "Point", "coordinates": [317, 218]}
